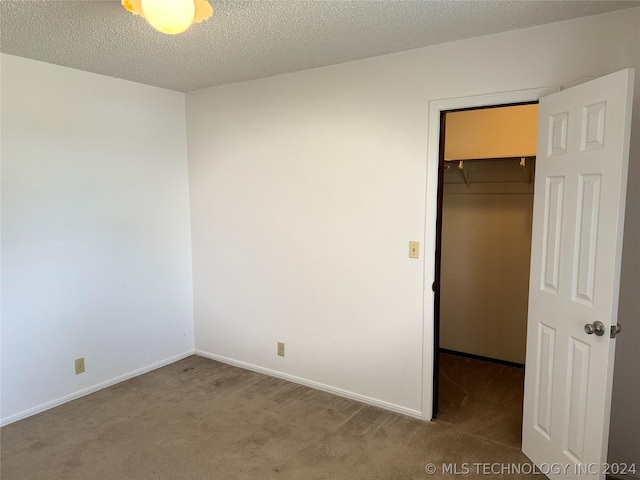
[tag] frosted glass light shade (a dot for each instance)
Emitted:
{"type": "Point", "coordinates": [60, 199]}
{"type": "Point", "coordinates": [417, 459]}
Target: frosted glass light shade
{"type": "Point", "coordinates": [163, 12]}
{"type": "Point", "coordinates": [169, 16]}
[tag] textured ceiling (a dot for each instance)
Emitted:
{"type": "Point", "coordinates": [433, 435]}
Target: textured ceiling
{"type": "Point", "coordinates": [249, 39]}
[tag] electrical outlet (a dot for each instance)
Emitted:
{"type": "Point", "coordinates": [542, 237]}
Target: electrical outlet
{"type": "Point", "coordinates": [281, 349]}
{"type": "Point", "coordinates": [79, 365]}
{"type": "Point", "coordinates": [414, 249]}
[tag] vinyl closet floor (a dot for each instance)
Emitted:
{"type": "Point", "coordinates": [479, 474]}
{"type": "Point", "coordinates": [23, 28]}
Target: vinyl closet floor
{"type": "Point", "coordinates": [201, 419]}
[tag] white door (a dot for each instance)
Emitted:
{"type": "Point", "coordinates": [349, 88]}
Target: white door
{"type": "Point", "coordinates": [581, 177]}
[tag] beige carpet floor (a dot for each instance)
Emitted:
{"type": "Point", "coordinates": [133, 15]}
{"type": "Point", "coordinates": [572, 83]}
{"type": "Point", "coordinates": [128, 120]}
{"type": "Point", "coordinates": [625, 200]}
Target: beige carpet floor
{"type": "Point", "coordinates": [200, 419]}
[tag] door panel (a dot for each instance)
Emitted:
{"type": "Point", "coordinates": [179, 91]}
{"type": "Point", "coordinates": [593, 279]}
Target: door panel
{"type": "Point", "coordinates": [544, 379]}
{"type": "Point", "coordinates": [551, 233]}
{"type": "Point", "coordinates": [581, 173]}
{"type": "Point", "coordinates": [584, 272]}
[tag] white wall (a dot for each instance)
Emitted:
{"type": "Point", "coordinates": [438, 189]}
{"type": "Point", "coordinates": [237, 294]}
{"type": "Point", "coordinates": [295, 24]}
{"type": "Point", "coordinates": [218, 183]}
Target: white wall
{"type": "Point", "coordinates": [303, 201]}
{"type": "Point", "coordinates": [96, 255]}
{"type": "Point", "coordinates": [306, 188]}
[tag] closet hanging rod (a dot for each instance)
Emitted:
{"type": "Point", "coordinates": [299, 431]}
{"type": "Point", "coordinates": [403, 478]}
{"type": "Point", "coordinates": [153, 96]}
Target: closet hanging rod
{"type": "Point", "coordinates": [499, 159]}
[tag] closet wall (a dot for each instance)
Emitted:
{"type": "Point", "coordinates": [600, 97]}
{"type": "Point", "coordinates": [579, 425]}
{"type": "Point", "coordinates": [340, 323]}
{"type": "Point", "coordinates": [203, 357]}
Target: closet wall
{"type": "Point", "coordinates": [486, 235]}
{"type": "Point", "coordinates": [486, 243]}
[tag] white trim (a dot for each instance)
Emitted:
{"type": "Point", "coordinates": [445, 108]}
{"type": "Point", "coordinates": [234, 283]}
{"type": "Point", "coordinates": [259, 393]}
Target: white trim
{"type": "Point", "coordinates": [431, 212]}
{"type": "Point", "coordinates": [318, 386]}
{"type": "Point", "coordinates": [95, 388]}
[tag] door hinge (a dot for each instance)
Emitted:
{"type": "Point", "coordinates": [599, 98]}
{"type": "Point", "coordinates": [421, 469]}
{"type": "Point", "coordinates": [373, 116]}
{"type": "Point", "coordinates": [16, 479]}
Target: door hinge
{"type": "Point", "coordinates": [615, 330]}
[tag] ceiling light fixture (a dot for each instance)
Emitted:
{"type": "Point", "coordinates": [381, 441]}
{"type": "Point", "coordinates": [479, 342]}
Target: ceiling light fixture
{"type": "Point", "coordinates": [170, 16]}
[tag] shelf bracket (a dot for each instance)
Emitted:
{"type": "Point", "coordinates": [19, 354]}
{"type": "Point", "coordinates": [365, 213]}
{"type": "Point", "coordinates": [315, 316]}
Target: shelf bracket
{"type": "Point", "coordinates": [528, 169]}
{"type": "Point", "coordinates": [465, 171]}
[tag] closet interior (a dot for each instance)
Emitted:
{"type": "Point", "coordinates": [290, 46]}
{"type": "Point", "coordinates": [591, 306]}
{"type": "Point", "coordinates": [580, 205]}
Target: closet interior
{"type": "Point", "coordinates": [487, 207]}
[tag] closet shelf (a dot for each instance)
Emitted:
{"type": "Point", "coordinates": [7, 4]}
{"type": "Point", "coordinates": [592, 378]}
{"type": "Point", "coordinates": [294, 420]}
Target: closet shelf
{"type": "Point", "coordinates": [493, 170]}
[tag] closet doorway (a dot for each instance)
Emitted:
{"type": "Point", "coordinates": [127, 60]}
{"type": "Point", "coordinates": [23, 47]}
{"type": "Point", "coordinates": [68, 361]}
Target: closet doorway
{"type": "Point", "coordinates": [487, 174]}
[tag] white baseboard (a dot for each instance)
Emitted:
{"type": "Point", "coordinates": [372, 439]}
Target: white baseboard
{"type": "Point", "coordinates": [318, 386]}
{"type": "Point", "coordinates": [95, 388]}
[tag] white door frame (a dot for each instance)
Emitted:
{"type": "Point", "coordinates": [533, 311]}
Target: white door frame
{"type": "Point", "coordinates": [433, 160]}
